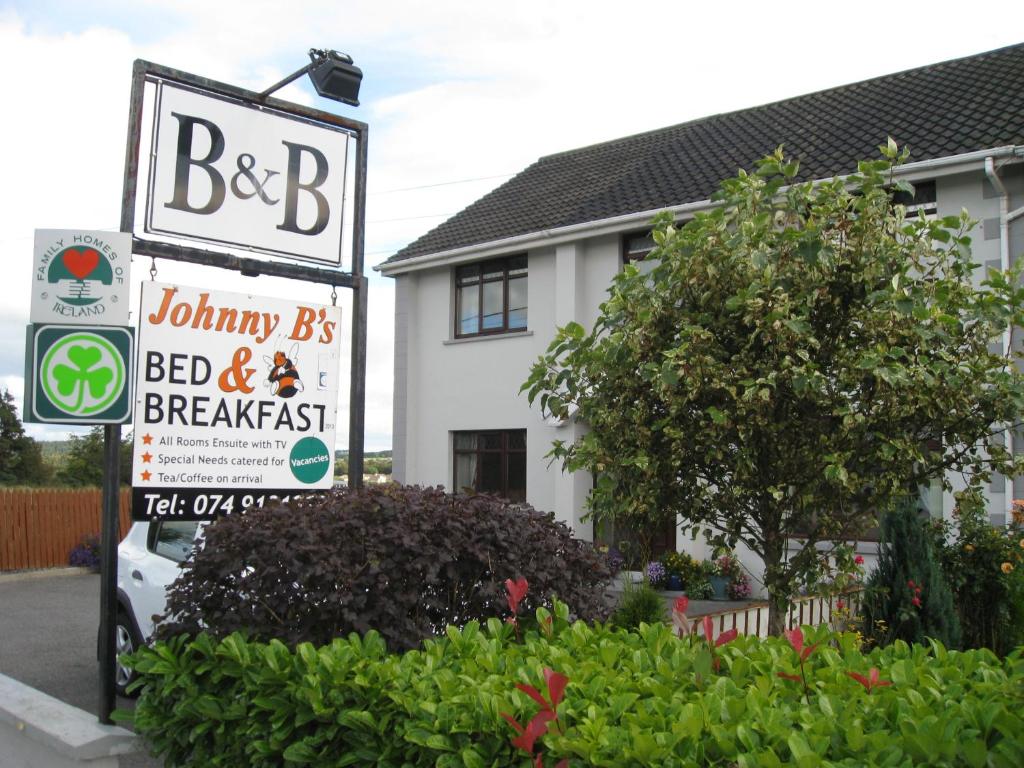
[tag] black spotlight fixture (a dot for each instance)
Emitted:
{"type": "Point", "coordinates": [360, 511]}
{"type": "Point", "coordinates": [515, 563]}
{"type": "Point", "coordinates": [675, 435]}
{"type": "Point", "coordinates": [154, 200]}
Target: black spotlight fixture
{"type": "Point", "coordinates": [333, 74]}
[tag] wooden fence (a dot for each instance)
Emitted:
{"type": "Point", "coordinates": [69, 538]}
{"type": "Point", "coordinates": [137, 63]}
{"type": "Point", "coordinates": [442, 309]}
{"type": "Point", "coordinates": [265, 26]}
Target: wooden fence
{"type": "Point", "coordinates": [752, 619]}
{"type": "Point", "coordinates": [40, 526]}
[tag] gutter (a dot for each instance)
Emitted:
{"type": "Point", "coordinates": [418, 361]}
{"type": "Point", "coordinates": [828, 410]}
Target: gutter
{"type": "Point", "coordinates": [925, 169]}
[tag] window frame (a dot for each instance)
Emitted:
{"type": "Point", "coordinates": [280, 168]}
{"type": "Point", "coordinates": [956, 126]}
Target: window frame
{"type": "Point", "coordinates": [630, 256]}
{"type": "Point", "coordinates": [506, 265]}
{"type": "Point", "coordinates": [504, 451]}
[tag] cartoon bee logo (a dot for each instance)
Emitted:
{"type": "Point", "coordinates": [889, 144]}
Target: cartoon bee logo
{"type": "Point", "coordinates": [283, 378]}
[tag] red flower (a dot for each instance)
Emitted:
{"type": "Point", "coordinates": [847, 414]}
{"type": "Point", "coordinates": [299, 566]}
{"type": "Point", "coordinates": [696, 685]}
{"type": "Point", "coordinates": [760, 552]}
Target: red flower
{"type": "Point", "coordinates": [871, 681]}
{"type": "Point", "coordinates": [840, 605]}
{"type": "Point", "coordinates": [910, 583]}
{"type": "Point", "coordinates": [859, 560]}
{"type": "Point", "coordinates": [916, 601]}
{"type": "Point", "coordinates": [516, 592]}
{"type": "Point", "coordinates": [682, 603]}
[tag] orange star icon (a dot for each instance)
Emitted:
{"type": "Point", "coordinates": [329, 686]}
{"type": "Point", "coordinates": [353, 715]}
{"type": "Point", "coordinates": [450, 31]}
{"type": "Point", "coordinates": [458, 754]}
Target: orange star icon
{"type": "Point", "coordinates": [147, 457]}
{"type": "Point", "coordinates": [146, 475]}
{"type": "Point", "coordinates": [147, 439]}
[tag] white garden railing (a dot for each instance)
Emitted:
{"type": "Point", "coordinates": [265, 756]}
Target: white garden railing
{"type": "Point", "coordinates": [752, 619]}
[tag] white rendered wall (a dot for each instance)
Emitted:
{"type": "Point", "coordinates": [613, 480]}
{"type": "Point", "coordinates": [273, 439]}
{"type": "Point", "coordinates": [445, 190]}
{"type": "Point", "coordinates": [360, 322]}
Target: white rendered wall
{"type": "Point", "coordinates": [443, 384]}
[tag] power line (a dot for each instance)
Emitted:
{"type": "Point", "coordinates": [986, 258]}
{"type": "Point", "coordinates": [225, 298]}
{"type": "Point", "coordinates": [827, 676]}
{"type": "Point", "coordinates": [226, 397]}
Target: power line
{"type": "Point", "coordinates": [441, 184]}
{"type": "Point", "coordinates": [411, 218]}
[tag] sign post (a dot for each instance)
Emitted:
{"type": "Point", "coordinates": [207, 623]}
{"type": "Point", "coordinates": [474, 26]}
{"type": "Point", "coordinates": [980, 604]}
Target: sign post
{"type": "Point", "coordinates": [80, 371]}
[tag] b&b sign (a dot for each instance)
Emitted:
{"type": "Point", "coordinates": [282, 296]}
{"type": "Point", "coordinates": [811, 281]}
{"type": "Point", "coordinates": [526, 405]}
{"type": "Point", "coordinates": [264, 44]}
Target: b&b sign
{"type": "Point", "coordinates": [236, 174]}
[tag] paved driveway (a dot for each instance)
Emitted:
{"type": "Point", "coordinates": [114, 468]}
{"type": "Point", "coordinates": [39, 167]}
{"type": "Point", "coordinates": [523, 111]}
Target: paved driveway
{"type": "Point", "coordinates": [48, 626]}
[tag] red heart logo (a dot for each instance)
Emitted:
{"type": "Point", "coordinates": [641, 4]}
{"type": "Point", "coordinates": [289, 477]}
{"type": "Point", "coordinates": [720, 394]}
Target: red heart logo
{"type": "Point", "coordinates": [81, 263]}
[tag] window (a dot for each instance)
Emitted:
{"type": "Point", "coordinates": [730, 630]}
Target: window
{"type": "Point", "coordinates": [174, 539]}
{"type": "Point", "coordinates": [924, 200]}
{"type": "Point", "coordinates": [491, 462]}
{"type": "Point", "coordinates": [490, 297]}
{"type": "Point", "coordinates": [635, 247]}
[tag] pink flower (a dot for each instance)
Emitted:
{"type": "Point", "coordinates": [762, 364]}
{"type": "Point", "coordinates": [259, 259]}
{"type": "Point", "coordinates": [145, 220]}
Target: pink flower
{"type": "Point", "coordinates": [910, 583]}
{"type": "Point", "coordinates": [859, 560]}
{"type": "Point", "coordinates": [916, 601]}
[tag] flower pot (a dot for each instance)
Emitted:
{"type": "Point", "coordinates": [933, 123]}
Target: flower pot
{"type": "Point", "coordinates": [720, 585]}
{"type": "Point", "coordinates": [674, 583]}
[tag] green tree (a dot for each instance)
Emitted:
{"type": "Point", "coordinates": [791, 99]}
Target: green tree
{"type": "Point", "coordinates": [793, 360]}
{"type": "Point", "coordinates": [84, 463]}
{"type": "Point", "coordinates": [908, 597]}
{"type": "Point", "coordinates": [21, 460]}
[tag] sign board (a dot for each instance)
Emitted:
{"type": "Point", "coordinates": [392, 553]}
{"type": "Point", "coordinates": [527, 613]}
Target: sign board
{"type": "Point", "coordinates": [79, 374]}
{"type": "Point", "coordinates": [233, 173]}
{"type": "Point", "coordinates": [236, 401]}
{"type": "Point", "coordinates": [81, 276]}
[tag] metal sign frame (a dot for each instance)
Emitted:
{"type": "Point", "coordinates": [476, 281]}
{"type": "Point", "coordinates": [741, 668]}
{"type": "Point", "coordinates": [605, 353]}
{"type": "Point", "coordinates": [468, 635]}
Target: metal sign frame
{"type": "Point", "coordinates": [143, 72]}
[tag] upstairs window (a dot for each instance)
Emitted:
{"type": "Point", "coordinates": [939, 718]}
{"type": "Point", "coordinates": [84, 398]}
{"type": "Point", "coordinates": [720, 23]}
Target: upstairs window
{"type": "Point", "coordinates": [490, 297]}
{"type": "Point", "coordinates": [636, 247]}
{"type": "Point", "coordinates": [924, 200]}
{"type": "Point", "coordinates": [491, 462]}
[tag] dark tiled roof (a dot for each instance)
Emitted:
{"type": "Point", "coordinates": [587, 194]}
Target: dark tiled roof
{"type": "Point", "coordinates": [939, 110]}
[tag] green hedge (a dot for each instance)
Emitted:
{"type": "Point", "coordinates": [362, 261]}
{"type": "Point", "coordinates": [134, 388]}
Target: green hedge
{"type": "Point", "coordinates": [634, 698]}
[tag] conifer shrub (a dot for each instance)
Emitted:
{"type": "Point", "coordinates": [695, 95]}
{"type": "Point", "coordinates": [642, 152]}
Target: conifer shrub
{"type": "Point", "coordinates": [402, 560]}
{"type": "Point", "coordinates": [907, 597]}
{"type": "Point", "coordinates": [639, 604]}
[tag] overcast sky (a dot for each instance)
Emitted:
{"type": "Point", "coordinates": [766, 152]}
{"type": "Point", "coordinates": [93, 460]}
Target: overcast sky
{"type": "Point", "coordinates": [458, 96]}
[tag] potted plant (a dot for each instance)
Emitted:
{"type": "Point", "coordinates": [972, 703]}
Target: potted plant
{"type": "Point", "coordinates": [718, 580]}
{"type": "Point", "coordinates": [655, 573]}
{"type": "Point", "coordinates": [737, 582]}
{"type": "Point", "coordinates": [688, 575]}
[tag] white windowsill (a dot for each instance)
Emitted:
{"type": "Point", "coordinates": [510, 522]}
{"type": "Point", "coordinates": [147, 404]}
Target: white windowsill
{"type": "Point", "coordinates": [489, 337]}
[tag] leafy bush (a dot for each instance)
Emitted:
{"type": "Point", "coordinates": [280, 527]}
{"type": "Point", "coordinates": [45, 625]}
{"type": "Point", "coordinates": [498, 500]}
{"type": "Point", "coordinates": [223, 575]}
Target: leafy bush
{"type": "Point", "coordinates": [633, 698]}
{"type": "Point", "coordinates": [985, 568]}
{"type": "Point", "coordinates": [639, 604]}
{"type": "Point", "coordinates": [405, 561]}
{"type": "Point", "coordinates": [907, 596]}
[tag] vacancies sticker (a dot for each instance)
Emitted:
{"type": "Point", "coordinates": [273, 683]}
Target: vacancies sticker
{"type": "Point", "coordinates": [236, 401]}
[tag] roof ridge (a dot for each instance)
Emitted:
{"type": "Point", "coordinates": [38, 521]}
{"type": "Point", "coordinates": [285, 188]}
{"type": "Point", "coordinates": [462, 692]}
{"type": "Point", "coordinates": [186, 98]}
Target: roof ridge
{"type": "Point", "coordinates": [779, 102]}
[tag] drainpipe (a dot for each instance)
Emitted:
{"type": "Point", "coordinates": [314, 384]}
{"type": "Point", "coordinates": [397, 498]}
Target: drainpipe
{"type": "Point", "coordinates": [1005, 217]}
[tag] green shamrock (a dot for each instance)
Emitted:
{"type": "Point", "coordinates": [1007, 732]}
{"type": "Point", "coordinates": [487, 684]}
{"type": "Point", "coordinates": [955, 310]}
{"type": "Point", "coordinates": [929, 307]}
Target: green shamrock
{"type": "Point", "coordinates": [81, 377]}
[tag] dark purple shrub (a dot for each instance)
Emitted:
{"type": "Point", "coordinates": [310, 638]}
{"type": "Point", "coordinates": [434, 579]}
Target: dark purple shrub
{"type": "Point", "coordinates": [404, 560]}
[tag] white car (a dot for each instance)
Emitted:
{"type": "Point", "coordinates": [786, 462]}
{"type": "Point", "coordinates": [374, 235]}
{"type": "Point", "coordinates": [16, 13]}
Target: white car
{"type": "Point", "coordinates": [148, 561]}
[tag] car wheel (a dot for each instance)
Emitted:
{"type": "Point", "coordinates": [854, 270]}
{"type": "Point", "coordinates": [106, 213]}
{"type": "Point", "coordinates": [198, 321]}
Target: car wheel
{"type": "Point", "coordinates": [126, 641]}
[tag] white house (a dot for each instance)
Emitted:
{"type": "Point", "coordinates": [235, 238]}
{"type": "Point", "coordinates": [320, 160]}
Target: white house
{"type": "Point", "coordinates": [478, 298]}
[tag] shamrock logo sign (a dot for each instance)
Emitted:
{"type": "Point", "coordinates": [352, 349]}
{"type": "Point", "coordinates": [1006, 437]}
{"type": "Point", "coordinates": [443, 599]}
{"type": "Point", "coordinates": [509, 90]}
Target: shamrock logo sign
{"type": "Point", "coordinates": [82, 374]}
{"type": "Point", "coordinates": [72, 382]}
